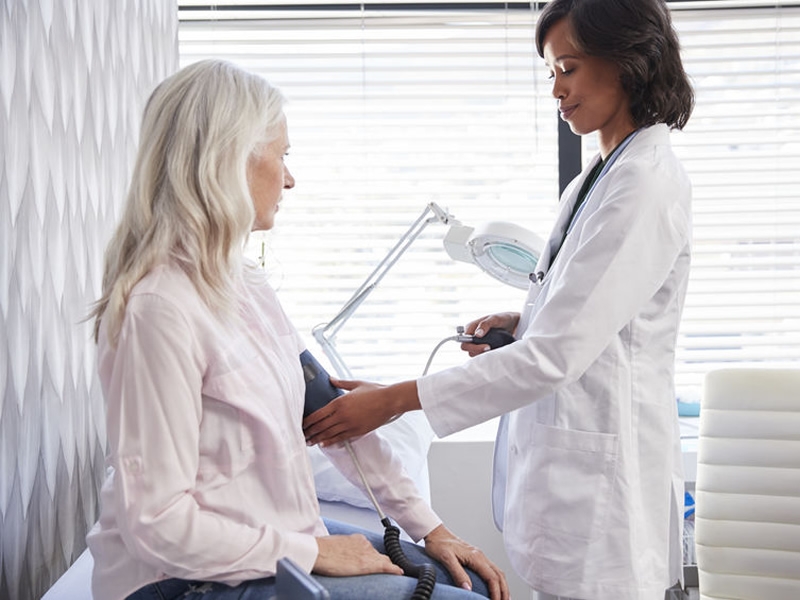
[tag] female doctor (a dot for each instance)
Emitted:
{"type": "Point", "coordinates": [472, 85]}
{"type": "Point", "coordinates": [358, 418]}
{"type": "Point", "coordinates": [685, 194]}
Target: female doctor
{"type": "Point", "coordinates": [592, 484]}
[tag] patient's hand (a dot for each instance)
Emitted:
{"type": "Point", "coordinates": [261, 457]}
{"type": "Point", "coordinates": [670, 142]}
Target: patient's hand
{"type": "Point", "coordinates": [348, 555]}
{"type": "Point", "coordinates": [454, 553]}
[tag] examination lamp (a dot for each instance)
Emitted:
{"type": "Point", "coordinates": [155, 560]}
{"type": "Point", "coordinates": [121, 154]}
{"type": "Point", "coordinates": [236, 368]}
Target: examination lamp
{"type": "Point", "coordinates": [505, 251]}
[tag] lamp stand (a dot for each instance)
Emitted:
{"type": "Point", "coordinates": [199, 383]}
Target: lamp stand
{"type": "Point", "coordinates": [325, 334]}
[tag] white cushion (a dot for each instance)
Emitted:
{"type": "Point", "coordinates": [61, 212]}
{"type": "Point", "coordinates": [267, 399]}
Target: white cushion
{"type": "Point", "coordinates": [748, 485]}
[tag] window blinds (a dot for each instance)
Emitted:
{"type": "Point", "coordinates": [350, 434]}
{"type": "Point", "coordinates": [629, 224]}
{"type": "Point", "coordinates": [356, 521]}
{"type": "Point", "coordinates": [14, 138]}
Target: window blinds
{"type": "Point", "coordinates": [394, 106]}
{"type": "Point", "coordinates": [390, 110]}
{"type": "Point", "coordinates": [742, 150]}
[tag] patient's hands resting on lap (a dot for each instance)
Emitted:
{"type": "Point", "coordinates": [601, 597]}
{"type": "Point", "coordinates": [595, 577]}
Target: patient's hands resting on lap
{"type": "Point", "coordinates": [348, 555]}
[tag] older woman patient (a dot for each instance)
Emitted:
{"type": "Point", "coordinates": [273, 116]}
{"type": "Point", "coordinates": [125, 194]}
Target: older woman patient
{"type": "Point", "coordinates": [210, 483]}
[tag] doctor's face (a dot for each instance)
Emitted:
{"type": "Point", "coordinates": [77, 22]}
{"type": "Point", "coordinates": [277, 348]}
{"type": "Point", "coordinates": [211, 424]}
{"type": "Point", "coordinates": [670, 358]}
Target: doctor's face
{"type": "Point", "coordinates": [267, 177]}
{"type": "Point", "coordinates": [588, 89]}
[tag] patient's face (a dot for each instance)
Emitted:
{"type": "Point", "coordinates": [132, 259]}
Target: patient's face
{"type": "Point", "coordinates": [267, 177]}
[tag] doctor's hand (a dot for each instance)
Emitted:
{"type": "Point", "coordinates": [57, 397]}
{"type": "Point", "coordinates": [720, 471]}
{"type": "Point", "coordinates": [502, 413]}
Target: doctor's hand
{"type": "Point", "coordinates": [481, 326]}
{"type": "Point", "coordinates": [367, 406]}
{"type": "Point", "coordinates": [349, 555]}
{"type": "Point", "coordinates": [455, 554]}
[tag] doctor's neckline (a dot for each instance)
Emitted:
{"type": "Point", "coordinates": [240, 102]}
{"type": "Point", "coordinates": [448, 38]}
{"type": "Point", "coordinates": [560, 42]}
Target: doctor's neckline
{"type": "Point", "coordinates": [595, 173]}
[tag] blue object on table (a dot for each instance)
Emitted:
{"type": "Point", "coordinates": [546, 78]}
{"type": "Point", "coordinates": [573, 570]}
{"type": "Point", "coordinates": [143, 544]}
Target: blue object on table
{"type": "Point", "coordinates": [688, 409]}
{"type": "Point", "coordinates": [688, 505]}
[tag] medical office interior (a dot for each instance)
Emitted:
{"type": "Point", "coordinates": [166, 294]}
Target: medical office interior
{"type": "Point", "coordinates": [405, 120]}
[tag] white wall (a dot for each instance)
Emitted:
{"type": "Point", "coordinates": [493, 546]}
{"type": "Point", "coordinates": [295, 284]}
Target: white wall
{"type": "Point", "coordinates": [74, 75]}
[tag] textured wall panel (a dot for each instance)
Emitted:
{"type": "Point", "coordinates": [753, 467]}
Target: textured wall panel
{"type": "Point", "coordinates": [74, 76]}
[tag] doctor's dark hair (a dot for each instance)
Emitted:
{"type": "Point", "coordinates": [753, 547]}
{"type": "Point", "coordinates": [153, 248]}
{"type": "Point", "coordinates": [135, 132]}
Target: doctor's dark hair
{"type": "Point", "coordinates": [638, 37]}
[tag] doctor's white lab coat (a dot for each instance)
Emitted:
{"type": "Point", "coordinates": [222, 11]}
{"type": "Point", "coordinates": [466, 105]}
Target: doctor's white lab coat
{"type": "Point", "coordinates": [594, 489]}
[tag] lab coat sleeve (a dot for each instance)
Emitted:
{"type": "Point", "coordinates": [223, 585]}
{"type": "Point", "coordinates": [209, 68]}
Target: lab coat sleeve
{"type": "Point", "coordinates": [154, 410]}
{"type": "Point", "coordinates": [395, 491]}
{"type": "Point", "coordinates": [624, 252]}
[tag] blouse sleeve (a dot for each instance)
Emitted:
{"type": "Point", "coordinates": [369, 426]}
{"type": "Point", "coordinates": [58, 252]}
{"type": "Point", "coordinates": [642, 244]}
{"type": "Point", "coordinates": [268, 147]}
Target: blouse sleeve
{"type": "Point", "coordinates": [394, 489]}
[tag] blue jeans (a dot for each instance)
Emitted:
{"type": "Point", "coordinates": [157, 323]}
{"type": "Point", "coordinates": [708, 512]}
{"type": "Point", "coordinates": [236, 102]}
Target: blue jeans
{"type": "Point", "coordinates": [363, 587]}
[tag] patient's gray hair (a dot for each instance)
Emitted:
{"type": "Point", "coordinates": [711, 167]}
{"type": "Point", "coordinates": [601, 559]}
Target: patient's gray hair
{"type": "Point", "coordinates": [188, 199]}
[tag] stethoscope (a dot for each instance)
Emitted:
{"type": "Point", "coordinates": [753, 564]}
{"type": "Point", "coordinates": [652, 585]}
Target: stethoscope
{"type": "Point", "coordinates": [538, 276]}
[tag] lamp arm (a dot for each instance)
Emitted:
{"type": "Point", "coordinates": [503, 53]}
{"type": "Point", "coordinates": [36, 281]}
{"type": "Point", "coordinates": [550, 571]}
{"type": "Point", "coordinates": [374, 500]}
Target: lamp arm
{"type": "Point", "coordinates": [325, 334]}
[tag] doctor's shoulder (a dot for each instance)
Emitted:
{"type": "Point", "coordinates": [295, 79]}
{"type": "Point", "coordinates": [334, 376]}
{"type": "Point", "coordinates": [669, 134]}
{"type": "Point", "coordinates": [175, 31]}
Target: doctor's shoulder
{"type": "Point", "coordinates": [648, 186]}
{"type": "Point", "coordinates": [664, 191]}
{"type": "Point", "coordinates": [655, 168]}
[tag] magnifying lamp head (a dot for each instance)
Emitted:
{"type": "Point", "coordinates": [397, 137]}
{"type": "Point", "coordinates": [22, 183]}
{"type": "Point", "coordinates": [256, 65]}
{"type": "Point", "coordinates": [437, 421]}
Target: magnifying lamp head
{"type": "Point", "coordinates": [505, 251]}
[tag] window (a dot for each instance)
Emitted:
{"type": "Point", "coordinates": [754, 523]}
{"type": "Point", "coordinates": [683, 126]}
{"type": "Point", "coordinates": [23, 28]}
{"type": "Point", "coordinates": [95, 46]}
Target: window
{"type": "Point", "coordinates": [395, 106]}
{"type": "Point", "coordinates": [742, 150]}
{"type": "Point", "coordinates": [390, 110]}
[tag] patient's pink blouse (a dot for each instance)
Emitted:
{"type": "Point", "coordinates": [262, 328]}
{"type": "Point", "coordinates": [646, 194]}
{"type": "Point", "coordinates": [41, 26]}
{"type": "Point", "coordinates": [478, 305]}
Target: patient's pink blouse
{"type": "Point", "coordinates": [208, 473]}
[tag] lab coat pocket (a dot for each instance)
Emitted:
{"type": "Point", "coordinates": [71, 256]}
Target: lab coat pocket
{"type": "Point", "coordinates": [570, 481]}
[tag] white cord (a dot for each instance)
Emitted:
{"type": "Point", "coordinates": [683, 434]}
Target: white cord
{"type": "Point", "coordinates": [364, 480]}
{"type": "Point", "coordinates": [459, 337]}
{"type": "Point", "coordinates": [452, 338]}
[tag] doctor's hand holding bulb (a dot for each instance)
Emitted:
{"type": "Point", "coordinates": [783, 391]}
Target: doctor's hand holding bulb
{"type": "Point", "coordinates": [588, 482]}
